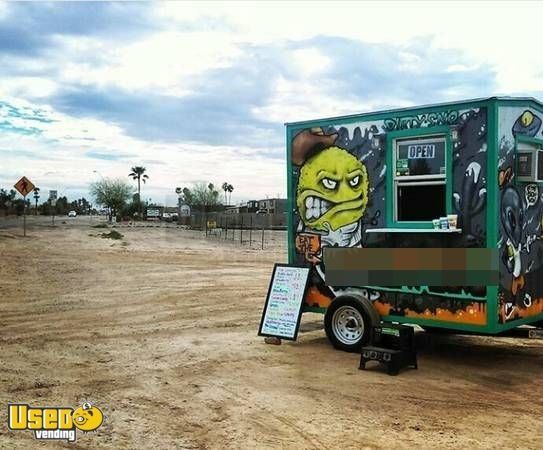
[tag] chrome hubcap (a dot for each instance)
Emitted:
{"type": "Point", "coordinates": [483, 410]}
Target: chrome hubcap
{"type": "Point", "coordinates": [348, 325]}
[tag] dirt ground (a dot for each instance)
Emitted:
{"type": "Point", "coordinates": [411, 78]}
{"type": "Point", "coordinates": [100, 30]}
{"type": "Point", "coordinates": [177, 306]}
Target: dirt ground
{"type": "Point", "coordinates": [159, 331]}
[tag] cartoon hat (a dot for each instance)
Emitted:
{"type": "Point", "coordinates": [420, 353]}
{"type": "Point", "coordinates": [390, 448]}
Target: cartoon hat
{"type": "Point", "coordinates": [309, 142]}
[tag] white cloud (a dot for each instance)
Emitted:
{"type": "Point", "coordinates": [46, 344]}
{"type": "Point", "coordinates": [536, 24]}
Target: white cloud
{"type": "Point", "coordinates": [3, 9]}
{"type": "Point", "coordinates": [167, 61]}
{"type": "Point", "coordinates": [409, 61]}
{"type": "Point", "coordinates": [309, 62]}
{"type": "Point", "coordinates": [504, 35]}
{"type": "Point", "coordinates": [21, 87]}
{"type": "Point", "coordinates": [294, 100]}
{"type": "Point", "coordinates": [193, 38]}
{"type": "Point", "coordinates": [69, 168]}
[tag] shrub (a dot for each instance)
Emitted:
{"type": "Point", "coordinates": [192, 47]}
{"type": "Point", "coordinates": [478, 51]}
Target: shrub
{"type": "Point", "coordinates": [113, 234]}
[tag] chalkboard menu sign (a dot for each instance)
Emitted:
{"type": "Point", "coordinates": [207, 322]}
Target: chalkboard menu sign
{"type": "Point", "coordinates": [283, 308]}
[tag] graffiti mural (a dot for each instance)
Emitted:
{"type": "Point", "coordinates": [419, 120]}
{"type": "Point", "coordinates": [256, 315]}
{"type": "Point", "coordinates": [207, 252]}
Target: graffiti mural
{"type": "Point", "coordinates": [469, 168]}
{"type": "Point", "coordinates": [430, 306]}
{"type": "Point", "coordinates": [339, 179]}
{"type": "Point", "coordinates": [520, 224]}
{"type": "Point", "coordinates": [421, 120]}
{"type": "Point", "coordinates": [332, 195]}
{"type": "Point", "coordinates": [527, 124]}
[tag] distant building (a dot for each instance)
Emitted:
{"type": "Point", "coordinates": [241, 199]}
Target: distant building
{"type": "Point", "coordinates": [272, 206]}
{"type": "Point", "coordinates": [267, 206]}
{"type": "Point", "coordinates": [252, 206]}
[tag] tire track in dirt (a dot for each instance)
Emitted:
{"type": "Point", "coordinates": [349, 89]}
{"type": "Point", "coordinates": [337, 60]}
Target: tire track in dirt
{"type": "Point", "coordinates": [265, 415]}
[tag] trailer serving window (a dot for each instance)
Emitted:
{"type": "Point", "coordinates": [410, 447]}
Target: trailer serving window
{"type": "Point", "coordinates": [530, 160]}
{"type": "Point", "coordinates": [419, 179]}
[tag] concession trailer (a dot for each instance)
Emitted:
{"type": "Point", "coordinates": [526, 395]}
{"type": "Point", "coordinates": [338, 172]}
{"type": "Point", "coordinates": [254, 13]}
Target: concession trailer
{"type": "Point", "coordinates": [452, 188]}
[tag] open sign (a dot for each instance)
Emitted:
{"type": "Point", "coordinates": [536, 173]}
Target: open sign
{"type": "Point", "coordinates": [421, 151]}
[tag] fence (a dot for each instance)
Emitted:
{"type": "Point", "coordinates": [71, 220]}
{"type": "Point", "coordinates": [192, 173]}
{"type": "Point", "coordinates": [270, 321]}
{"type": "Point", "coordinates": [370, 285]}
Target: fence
{"type": "Point", "coordinates": [258, 231]}
{"type": "Point", "coordinates": [201, 221]}
{"type": "Point", "coordinates": [245, 228]}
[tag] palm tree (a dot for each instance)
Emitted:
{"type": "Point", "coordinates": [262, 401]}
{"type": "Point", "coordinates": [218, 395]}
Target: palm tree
{"type": "Point", "coordinates": [225, 189]}
{"type": "Point", "coordinates": [138, 173]}
{"type": "Point", "coordinates": [230, 188]}
{"type": "Point", "coordinates": [36, 198]}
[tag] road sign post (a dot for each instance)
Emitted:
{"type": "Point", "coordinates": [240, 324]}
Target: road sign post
{"type": "Point", "coordinates": [53, 203]}
{"type": "Point", "coordinates": [24, 186]}
{"type": "Point", "coordinates": [24, 216]}
{"type": "Point", "coordinates": [53, 206]}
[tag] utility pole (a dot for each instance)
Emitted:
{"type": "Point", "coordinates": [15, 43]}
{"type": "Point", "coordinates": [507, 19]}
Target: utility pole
{"type": "Point", "coordinates": [53, 203]}
{"type": "Point", "coordinates": [179, 193]}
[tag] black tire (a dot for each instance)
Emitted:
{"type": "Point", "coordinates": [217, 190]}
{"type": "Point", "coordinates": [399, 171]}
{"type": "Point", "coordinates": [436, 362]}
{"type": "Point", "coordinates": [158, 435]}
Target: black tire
{"type": "Point", "coordinates": [348, 322]}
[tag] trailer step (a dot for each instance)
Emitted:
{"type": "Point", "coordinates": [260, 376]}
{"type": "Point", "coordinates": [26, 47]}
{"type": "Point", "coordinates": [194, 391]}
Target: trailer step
{"type": "Point", "coordinates": [535, 333]}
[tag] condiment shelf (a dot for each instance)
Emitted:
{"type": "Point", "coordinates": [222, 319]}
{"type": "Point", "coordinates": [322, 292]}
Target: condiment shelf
{"type": "Point", "coordinates": [413, 230]}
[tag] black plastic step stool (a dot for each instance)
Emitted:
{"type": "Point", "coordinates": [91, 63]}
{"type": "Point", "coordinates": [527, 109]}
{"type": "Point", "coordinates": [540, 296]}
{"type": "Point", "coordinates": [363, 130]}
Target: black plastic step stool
{"type": "Point", "coordinates": [392, 345]}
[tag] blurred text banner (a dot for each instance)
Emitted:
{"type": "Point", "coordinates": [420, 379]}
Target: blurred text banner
{"type": "Point", "coordinates": [411, 266]}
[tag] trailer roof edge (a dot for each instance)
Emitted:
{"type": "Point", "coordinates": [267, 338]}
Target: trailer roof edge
{"type": "Point", "coordinates": [415, 107]}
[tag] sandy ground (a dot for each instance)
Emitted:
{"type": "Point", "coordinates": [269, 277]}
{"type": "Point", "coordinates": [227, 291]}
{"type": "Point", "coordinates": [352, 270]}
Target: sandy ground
{"type": "Point", "coordinates": [159, 331]}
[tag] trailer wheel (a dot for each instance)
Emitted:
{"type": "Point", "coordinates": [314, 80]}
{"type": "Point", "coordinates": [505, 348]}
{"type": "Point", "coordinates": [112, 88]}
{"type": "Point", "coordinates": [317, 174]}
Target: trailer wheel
{"type": "Point", "coordinates": [348, 322]}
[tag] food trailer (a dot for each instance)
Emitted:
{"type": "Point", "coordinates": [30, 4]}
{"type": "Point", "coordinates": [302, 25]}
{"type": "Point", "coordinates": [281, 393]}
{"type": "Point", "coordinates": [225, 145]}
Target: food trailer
{"type": "Point", "coordinates": [385, 179]}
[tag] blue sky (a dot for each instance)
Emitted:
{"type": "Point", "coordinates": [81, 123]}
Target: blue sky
{"type": "Point", "coordinates": [201, 91]}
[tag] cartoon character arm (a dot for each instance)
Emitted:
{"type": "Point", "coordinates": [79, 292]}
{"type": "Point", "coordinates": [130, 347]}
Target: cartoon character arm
{"type": "Point", "coordinates": [508, 257]}
{"type": "Point", "coordinates": [309, 245]}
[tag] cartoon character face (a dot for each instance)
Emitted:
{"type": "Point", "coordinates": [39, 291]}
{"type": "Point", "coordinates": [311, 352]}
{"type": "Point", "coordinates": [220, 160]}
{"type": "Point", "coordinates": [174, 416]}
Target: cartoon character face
{"type": "Point", "coordinates": [527, 124]}
{"type": "Point", "coordinates": [332, 190]}
{"type": "Point", "coordinates": [531, 193]}
{"type": "Point", "coordinates": [87, 417]}
{"type": "Point", "coordinates": [512, 215]}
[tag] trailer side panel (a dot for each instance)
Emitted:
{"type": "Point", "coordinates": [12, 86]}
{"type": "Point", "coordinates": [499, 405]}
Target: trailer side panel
{"type": "Point", "coordinates": [520, 219]}
{"type": "Point", "coordinates": [340, 186]}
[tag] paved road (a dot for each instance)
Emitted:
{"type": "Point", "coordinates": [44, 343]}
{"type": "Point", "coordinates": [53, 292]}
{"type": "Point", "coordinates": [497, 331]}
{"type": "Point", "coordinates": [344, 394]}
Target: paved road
{"type": "Point", "coordinates": [44, 221]}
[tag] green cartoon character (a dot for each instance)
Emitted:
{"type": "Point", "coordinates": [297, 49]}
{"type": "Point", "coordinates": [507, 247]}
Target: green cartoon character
{"type": "Point", "coordinates": [331, 199]}
{"type": "Point", "coordinates": [332, 190]}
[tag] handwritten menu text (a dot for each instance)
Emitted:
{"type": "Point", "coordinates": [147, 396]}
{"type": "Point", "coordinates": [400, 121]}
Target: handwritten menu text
{"type": "Point", "coordinates": [284, 302]}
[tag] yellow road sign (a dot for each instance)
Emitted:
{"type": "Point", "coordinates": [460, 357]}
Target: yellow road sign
{"type": "Point", "coordinates": [24, 186]}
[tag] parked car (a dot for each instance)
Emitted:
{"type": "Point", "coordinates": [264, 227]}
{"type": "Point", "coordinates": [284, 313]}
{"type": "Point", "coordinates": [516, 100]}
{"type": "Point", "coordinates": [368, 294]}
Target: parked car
{"type": "Point", "coordinates": [72, 214]}
{"type": "Point", "coordinates": [169, 217]}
